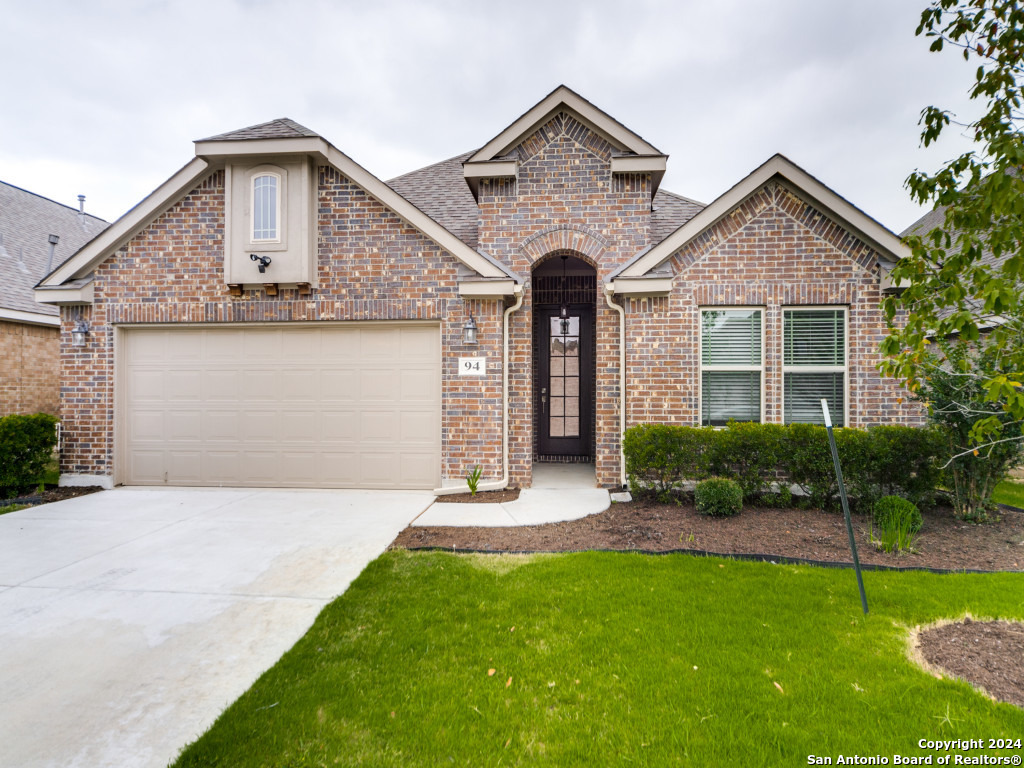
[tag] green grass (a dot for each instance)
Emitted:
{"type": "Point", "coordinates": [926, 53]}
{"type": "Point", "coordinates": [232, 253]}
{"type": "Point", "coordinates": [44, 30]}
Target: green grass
{"type": "Point", "coordinates": [11, 508]}
{"type": "Point", "coordinates": [614, 659]}
{"type": "Point", "coordinates": [1009, 492]}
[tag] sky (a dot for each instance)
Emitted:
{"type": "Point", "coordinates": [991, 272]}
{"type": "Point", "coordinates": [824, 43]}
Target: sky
{"type": "Point", "coordinates": [104, 98]}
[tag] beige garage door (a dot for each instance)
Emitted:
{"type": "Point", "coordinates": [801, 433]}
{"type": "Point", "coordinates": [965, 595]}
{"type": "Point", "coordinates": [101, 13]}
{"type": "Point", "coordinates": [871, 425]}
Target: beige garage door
{"type": "Point", "coordinates": [356, 406]}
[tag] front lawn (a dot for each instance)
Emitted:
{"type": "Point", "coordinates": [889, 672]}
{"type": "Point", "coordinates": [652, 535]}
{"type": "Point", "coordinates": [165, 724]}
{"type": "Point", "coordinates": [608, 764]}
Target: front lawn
{"type": "Point", "coordinates": [1009, 492]}
{"type": "Point", "coordinates": [612, 658]}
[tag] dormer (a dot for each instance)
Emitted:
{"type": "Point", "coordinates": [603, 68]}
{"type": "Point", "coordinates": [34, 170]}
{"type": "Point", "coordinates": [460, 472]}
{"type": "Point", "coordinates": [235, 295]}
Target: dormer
{"type": "Point", "coordinates": [632, 154]}
{"type": "Point", "coordinates": [270, 234]}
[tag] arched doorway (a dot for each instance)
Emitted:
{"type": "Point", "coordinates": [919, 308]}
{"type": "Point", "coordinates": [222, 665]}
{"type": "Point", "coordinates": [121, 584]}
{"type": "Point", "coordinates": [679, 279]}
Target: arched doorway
{"type": "Point", "coordinates": [564, 297]}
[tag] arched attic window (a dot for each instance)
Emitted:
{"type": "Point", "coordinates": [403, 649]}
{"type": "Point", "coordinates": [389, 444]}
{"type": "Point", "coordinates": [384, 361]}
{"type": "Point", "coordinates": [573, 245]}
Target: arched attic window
{"type": "Point", "coordinates": [266, 207]}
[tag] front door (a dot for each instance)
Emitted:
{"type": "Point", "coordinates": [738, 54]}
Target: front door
{"type": "Point", "coordinates": [566, 377]}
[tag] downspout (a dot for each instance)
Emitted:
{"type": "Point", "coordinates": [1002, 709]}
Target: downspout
{"type": "Point", "coordinates": [497, 485]}
{"type": "Point", "coordinates": [609, 291]}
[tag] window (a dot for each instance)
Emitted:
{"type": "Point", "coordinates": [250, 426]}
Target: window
{"type": "Point", "coordinates": [266, 207]}
{"type": "Point", "coordinates": [814, 365]}
{"type": "Point", "coordinates": [732, 365]}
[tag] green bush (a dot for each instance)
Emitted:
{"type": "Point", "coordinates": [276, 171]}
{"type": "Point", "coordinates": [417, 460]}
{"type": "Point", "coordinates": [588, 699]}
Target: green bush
{"type": "Point", "coordinates": [718, 497]}
{"type": "Point", "coordinates": [660, 457]}
{"type": "Point", "coordinates": [890, 509]}
{"type": "Point", "coordinates": [898, 521]}
{"type": "Point", "coordinates": [749, 453]}
{"type": "Point", "coordinates": [26, 444]}
{"type": "Point", "coordinates": [903, 461]}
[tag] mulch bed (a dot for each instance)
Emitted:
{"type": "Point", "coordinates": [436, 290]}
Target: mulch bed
{"type": "Point", "coordinates": [482, 497]}
{"type": "Point", "coordinates": [51, 493]}
{"type": "Point", "coordinates": [944, 542]}
{"type": "Point", "coordinates": [986, 654]}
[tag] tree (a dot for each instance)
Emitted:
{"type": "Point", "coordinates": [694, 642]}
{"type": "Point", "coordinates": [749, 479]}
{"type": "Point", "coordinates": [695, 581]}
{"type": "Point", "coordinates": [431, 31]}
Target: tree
{"type": "Point", "coordinates": [965, 278]}
{"type": "Point", "coordinates": [953, 391]}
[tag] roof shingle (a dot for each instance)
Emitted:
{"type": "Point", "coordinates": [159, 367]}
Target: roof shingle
{"type": "Point", "coordinates": [26, 222]}
{"type": "Point", "coordinates": [281, 128]}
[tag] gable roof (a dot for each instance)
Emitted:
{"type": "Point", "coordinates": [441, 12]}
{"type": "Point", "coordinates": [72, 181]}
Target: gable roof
{"type": "Point", "coordinates": [281, 128]}
{"type": "Point", "coordinates": [279, 137]}
{"type": "Point", "coordinates": [440, 191]}
{"type": "Point", "coordinates": [26, 222]}
{"type": "Point", "coordinates": [632, 153]}
{"type": "Point", "coordinates": [618, 135]}
{"type": "Point", "coordinates": [778, 166]}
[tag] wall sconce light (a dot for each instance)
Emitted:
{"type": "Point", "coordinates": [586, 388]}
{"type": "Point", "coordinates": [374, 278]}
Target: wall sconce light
{"type": "Point", "coordinates": [78, 333]}
{"type": "Point", "coordinates": [469, 330]}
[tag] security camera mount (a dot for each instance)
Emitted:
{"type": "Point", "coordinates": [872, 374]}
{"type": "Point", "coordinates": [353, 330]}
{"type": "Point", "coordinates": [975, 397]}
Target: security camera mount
{"type": "Point", "coordinates": [262, 261]}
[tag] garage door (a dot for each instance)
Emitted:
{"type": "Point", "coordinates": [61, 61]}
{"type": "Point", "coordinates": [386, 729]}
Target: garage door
{"type": "Point", "coordinates": [354, 406]}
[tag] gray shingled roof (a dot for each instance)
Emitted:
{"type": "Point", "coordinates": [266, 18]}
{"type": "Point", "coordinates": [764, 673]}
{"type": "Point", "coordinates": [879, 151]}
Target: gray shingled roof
{"type": "Point", "coordinates": [441, 192]}
{"type": "Point", "coordinates": [282, 128]}
{"type": "Point", "coordinates": [26, 222]}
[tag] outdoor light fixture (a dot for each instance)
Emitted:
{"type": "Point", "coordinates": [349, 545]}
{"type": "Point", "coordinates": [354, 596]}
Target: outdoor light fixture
{"type": "Point", "coordinates": [78, 333]}
{"type": "Point", "coordinates": [469, 330]}
{"type": "Point", "coordinates": [262, 261]}
{"type": "Point", "coordinates": [563, 311]}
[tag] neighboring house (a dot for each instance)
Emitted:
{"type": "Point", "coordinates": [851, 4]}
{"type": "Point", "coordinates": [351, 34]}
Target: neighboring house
{"type": "Point", "coordinates": [29, 332]}
{"type": "Point", "coordinates": [276, 315]}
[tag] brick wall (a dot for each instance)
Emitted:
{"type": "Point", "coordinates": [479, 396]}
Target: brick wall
{"type": "Point", "coordinates": [565, 199]}
{"type": "Point", "coordinates": [29, 368]}
{"type": "Point", "coordinates": [774, 251]}
{"type": "Point", "coordinates": [372, 266]}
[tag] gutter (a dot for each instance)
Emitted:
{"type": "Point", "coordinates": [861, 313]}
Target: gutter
{"type": "Point", "coordinates": [497, 485]}
{"type": "Point", "coordinates": [609, 290]}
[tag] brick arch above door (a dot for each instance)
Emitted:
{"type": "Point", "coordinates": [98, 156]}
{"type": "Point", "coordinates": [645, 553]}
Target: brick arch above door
{"type": "Point", "coordinates": [564, 237]}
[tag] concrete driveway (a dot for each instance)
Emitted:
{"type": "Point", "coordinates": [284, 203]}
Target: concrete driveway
{"type": "Point", "coordinates": [129, 619]}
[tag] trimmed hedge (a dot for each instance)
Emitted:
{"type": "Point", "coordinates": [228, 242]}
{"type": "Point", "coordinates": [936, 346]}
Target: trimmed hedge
{"type": "Point", "coordinates": [26, 445]}
{"type": "Point", "coordinates": [718, 497]}
{"type": "Point", "coordinates": [888, 460]}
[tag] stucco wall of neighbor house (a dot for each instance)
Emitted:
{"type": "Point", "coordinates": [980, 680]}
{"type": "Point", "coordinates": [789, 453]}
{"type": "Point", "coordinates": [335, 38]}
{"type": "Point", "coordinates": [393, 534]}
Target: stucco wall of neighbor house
{"type": "Point", "coordinates": [29, 368]}
{"type": "Point", "coordinates": [773, 251]}
{"type": "Point", "coordinates": [565, 199]}
{"type": "Point", "coordinates": [372, 266]}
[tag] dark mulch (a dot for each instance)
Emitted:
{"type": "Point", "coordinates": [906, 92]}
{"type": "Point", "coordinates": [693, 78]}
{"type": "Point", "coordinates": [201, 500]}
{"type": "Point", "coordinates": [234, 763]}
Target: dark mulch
{"type": "Point", "coordinates": [482, 497]}
{"type": "Point", "coordinates": [944, 542]}
{"type": "Point", "coordinates": [51, 493]}
{"type": "Point", "coordinates": [986, 654]}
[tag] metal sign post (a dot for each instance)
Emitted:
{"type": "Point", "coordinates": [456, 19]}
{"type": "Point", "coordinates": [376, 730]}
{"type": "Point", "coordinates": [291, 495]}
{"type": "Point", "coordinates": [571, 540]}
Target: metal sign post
{"type": "Point", "coordinates": [846, 505]}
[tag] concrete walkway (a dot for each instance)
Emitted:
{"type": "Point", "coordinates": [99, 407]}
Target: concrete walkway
{"type": "Point", "coordinates": [129, 619]}
{"type": "Point", "coordinates": [559, 492]}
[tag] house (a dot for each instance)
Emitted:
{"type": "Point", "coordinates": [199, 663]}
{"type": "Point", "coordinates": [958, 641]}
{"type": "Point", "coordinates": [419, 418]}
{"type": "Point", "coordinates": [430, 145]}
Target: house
{"type": "Point", "coordinates": [36, 234]}
{"type": "Point", "coordinates": [275, 315]}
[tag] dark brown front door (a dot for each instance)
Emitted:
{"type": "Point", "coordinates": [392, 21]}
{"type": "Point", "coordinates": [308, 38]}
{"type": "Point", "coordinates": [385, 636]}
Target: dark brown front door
{"type": "Point", "coordinates": [566, 377]}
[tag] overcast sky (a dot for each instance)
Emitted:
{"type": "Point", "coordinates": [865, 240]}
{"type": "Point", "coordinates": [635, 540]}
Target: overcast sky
{"type": "Point", "coordinates": [105, 98]}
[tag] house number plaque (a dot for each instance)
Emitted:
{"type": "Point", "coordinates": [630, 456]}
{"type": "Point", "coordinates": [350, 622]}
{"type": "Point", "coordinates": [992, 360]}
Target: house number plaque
{"type": "Point", "coordinates": [472, 366]}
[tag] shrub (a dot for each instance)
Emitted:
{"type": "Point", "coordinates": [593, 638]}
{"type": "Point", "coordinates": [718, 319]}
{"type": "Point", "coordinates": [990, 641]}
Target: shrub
{"type": "Point", "coordinates": [718, 497]}
{"type": "Point", "coordinates": [893, 508]}
{"type": "Point", "coordinates": [659, 457]}
{"type": "Point", "coordinates": [749, 453]}
{"type": "Point", "coordinates": [903, 461]}
{"type": "Point", "coordinates": [982, 440]}
{"type": "Point", "coordinates": [26, 444]}
{"type": "Point", "coordinates": [899, 522]}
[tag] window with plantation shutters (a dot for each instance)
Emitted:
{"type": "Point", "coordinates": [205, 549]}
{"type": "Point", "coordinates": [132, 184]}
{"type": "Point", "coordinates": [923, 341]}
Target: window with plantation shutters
{"type": "Point", "coordinates": [732, 365]}
{"type": "Point", "coordinates": [814, 364]}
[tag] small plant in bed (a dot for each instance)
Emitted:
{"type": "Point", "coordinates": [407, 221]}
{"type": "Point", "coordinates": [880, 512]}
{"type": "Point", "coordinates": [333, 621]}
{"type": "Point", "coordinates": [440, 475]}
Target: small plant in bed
{"type": "Point", "coordinates": [898, 521]}
{"type": "Point", "coordinates": [473, 479]}
{"type": "Point", "coordinates": [718, 497]}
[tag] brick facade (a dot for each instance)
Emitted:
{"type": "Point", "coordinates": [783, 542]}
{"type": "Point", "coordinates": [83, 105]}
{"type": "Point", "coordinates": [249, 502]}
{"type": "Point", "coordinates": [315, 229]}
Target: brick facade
{"type": "Point", "coordinates": [372, 266]}
{"type": "Point", "coordinates": [773, 251]}
{"type": "Point", "coordinates": [29, 369]}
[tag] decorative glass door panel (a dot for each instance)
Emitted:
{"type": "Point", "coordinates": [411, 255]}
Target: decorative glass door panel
{"type": "Point", "coordinates": [565, 382]}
